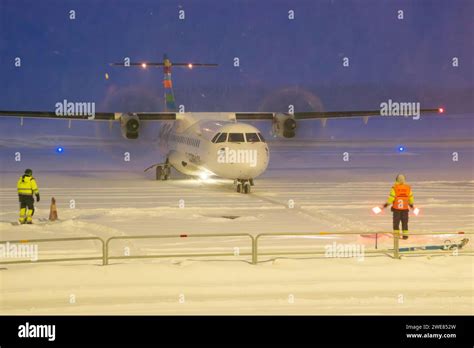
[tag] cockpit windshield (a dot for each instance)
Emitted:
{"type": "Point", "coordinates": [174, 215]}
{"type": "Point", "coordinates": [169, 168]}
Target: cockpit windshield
{"type": "Point", "coordinates": [236, 138]}
{"type": "Point", "coordinates": [252, 137]}
{"type": "Point", "coordinates": [221, 138]}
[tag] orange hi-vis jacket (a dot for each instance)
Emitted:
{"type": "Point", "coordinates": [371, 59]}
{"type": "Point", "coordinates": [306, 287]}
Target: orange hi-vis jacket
{"type": "Point", "coordinates": [401, 196]}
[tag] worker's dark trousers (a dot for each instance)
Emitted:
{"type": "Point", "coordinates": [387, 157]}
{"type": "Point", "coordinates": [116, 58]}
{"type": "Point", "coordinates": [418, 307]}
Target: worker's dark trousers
{"type": "Point", "coordinates": [400, 215]}
{"type": "Point", "coordinates": [26, 202]}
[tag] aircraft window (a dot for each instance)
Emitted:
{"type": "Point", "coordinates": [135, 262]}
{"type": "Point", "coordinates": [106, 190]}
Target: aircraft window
{"type": "Point", "coordinates": [215, 137]}
{"type": "Point", "coordinates": [236, 138]}
{"type": "Point", "coordinates": [252, 137]}
{"type": "Point", "coordinates": [222, 138]}
{"type": "Point", "coordinates": [261, 137]}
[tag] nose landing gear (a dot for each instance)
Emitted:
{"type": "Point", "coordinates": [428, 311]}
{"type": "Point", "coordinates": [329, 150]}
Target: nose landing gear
{"type": "Point", "coordinates": [243, 185]}
{"type": "Point", "coordinates": [163, 170]}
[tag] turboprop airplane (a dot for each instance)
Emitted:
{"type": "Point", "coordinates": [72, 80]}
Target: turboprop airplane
{"type": "Point", "coordinates": [202, 144]}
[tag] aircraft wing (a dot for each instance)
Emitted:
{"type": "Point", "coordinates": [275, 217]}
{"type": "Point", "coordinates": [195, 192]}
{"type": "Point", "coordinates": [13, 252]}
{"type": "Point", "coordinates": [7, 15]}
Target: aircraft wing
{"type": "Point", "coordinates": [157, 116]}
{"type": "Point", "coordinates": [322, 114]}
{"type": "Point", "coordinates": [99, 116]}
{"type": "Point", "coordinates": [349, 114]}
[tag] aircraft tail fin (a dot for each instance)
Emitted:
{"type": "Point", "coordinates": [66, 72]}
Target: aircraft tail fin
{"type": "Point", "coordinates": [170, 103]}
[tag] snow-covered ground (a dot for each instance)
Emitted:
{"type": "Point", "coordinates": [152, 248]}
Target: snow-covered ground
{"type": "Point", "coordinates": [336, 286]}
{"type": "Point", "coordinates": [308, 188]}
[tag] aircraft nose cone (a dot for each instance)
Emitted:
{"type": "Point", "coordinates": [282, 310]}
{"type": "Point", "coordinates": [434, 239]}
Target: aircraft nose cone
{"type": "Point", "coordinates": [241, 162]}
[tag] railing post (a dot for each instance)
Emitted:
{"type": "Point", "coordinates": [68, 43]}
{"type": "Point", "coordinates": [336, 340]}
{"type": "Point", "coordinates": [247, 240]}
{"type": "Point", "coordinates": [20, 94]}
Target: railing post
{"type": "Point", "coordinates": [105, 261]}
{"type": "Point", "coordinates": [254, 250]}
{"type": "Point", "coordinates": [396, 246]}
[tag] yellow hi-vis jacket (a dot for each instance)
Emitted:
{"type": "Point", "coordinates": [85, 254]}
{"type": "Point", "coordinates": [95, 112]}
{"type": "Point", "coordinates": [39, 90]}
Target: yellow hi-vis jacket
{"type": "Point", "coordinates": [27, 186]}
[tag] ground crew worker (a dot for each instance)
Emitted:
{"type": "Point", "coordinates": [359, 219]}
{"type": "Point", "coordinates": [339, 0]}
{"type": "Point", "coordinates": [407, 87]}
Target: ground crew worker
{"type": "Point", "coordinates": [27, 187]}
{"type": "Point", "coordinates": [401, 198]}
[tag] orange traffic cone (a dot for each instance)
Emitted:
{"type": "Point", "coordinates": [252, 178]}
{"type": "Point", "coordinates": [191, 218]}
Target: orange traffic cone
{"type": "Point", "coordinates": [53, 212]}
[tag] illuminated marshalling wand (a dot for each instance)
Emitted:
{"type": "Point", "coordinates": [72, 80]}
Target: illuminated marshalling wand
{"type": "Point", "coordinates": [170, 104]}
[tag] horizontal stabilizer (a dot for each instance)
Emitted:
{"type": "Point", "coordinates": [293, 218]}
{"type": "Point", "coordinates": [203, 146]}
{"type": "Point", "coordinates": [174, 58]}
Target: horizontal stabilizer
{"type": "Point", "coordinates": [155, 64]}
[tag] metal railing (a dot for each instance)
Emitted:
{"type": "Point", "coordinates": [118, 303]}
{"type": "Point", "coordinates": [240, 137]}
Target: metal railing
{"type": "Point", "coordinates": [107, 257]}
{"type": "Point", "coordinates": [255, 253]}
{"type": "Point", "coordinates": [394, 253]}
{"type": "Point", "coordinates": [396, 244]}
{"type": "Point", "coordinates": [25, 241]}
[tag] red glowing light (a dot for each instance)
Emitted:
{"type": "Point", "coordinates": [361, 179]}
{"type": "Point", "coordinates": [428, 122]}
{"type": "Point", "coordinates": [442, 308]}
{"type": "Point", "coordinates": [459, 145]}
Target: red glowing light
{"type": "Point", "coordinates": [440, 110]}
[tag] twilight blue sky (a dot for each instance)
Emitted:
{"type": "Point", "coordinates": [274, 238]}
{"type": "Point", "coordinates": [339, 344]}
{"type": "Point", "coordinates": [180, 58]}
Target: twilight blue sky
{"type": "Point", "coordinates": [63, 58]}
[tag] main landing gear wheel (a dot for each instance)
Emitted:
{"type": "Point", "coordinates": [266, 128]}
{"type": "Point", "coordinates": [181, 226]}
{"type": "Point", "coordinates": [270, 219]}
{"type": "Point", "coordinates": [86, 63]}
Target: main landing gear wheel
{"type": "Point", "coordinates": [243, 186]}
{"type": "Point", "coordinates": [163, 172]}
{"type": "Point", "coordinates": [247, 187]}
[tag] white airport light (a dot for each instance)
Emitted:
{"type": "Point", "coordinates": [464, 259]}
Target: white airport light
{"type": "Point", "coordinates": [144, 65]}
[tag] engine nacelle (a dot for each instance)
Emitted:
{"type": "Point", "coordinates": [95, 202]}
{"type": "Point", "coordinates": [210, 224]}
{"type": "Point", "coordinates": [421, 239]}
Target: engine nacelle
{"type": "Point", "coordinates": [284, 125]}
{"type": "Point", "coordinates": [129, 124]}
